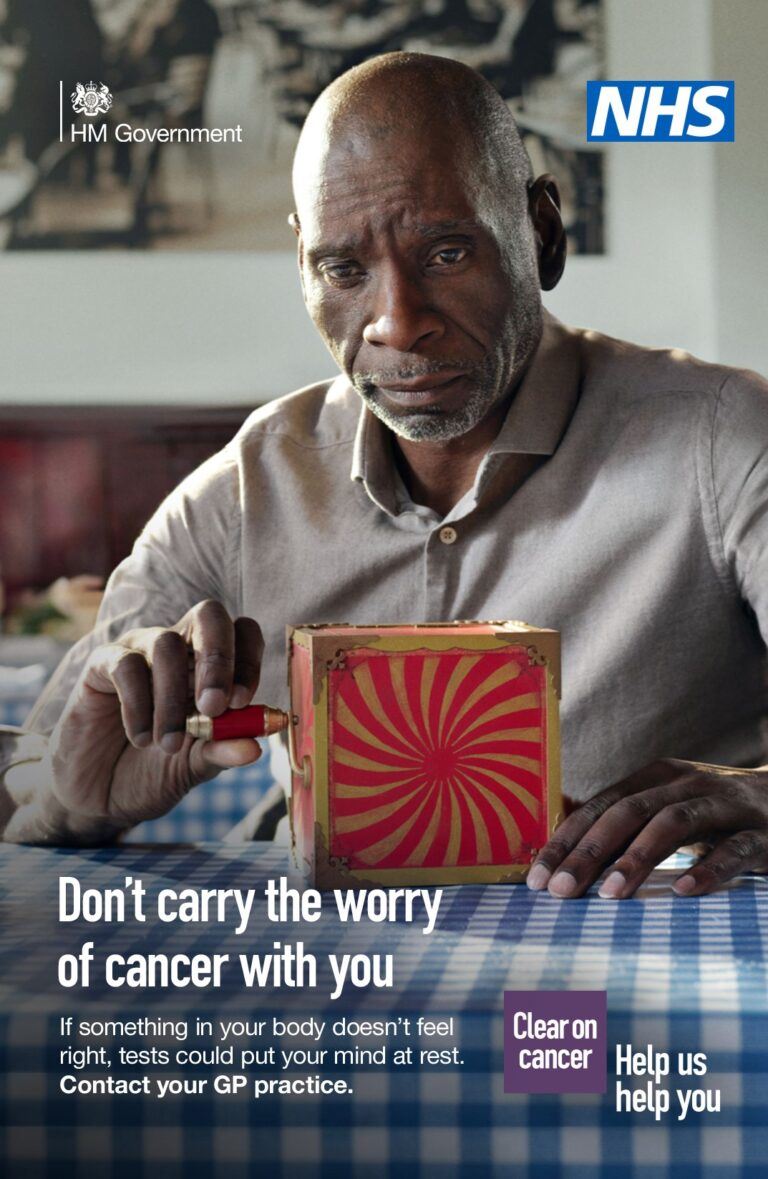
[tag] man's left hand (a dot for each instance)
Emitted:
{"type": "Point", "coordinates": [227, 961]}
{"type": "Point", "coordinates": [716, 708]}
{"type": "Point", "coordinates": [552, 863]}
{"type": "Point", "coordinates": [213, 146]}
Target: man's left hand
{"type": "Point", "coordinates": [633, 826]}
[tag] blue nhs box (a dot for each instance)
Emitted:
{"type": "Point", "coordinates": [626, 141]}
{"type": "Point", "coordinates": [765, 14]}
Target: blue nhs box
{"type": "Point", "coordinates": [660, 112]}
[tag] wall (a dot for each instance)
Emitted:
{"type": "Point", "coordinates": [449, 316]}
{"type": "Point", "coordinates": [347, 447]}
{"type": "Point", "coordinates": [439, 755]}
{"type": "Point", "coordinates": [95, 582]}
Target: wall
{"type": "Point", "coordinates": [740, 35]}
{"type": "Point", "coordinates": [228, 328]}
{"type": "Point", "coordinates": [656, 283]}
{"type": "Point", "coordinates": [207, 328]}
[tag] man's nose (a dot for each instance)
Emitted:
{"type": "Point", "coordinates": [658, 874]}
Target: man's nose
{"type": "Point", "coordinates": [402, 317]}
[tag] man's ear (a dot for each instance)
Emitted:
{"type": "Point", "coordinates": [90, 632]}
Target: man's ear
{"type": "Point", "coordinates": [551, 240]}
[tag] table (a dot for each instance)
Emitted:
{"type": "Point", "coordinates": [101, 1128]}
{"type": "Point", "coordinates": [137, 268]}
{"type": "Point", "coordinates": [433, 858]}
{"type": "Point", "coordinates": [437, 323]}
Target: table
{"type": "Point", "coordinates": [681, 974]}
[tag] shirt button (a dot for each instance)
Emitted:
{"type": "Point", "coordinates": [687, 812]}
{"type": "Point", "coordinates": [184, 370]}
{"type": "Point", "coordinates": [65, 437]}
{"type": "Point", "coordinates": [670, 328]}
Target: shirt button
{"type": "Point", "coordinates": [448, 535]}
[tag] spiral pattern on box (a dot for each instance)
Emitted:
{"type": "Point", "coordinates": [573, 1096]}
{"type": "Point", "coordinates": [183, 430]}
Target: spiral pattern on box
{"type": "Point", "coordinates": [437, 760]}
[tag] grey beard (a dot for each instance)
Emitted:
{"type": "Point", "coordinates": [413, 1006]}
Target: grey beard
{"type": "Point", "coordinates": [433, 425]}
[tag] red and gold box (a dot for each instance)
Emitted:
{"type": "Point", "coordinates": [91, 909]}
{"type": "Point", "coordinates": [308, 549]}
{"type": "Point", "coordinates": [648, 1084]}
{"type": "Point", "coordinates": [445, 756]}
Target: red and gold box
{"type": "Point", "coordinates": [431, 753]}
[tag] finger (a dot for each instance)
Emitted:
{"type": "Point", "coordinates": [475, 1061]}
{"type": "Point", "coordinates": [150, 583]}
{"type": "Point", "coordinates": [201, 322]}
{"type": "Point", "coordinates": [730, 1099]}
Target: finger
{"type": "Point", "coordinates": [674, 826]}
{"type": "Point", "coordinates": [565, 838]}
{"type": "Point", "coordinates": [746, 851]}
{"type": "Point", "coordinates": [114, 673]}
{"type": "Point", "coordinates": [170, 690]}
{"type": "Point", "coordinates": [249, 648]}
{"type": "Point", "coordinates": [213, 641]}
{"type": "Point", "coordinates": [573, 829]}
{"type": "Point", "coordinates": [133, 680]}
{"type": "Point", "coordinates": [613, 832]}
{"type": "Point", "coordinates": [208, 758]}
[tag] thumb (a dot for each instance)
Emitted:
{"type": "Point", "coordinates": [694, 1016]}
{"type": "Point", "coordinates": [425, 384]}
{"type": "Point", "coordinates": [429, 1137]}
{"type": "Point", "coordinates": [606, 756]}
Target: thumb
{"type": "Point", "coordinates": [208, 758]}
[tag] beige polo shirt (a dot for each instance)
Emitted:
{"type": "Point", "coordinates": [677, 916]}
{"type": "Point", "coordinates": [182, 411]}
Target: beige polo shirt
{"type": "Point", "coordinates": [642, 537]}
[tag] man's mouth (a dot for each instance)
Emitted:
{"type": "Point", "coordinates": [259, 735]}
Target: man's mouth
{"type": "Point", "coordinates": [421, 391]}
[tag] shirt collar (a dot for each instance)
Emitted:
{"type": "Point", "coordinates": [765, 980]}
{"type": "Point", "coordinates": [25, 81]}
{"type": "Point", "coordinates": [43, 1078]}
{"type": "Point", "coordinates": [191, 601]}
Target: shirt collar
{"type": "Point", "coordinates": [372, 461]}
{"type": "Point", "coordinates": [535, 423]}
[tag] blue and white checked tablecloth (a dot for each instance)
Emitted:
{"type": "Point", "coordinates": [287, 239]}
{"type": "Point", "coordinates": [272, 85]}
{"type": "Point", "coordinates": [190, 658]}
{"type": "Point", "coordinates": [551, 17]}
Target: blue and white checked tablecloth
{"type": "Point", "coordinates": [680, 974]}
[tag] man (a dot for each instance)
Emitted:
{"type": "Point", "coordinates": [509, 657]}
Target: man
{"type": "Point", "coordinates": [500, 465]}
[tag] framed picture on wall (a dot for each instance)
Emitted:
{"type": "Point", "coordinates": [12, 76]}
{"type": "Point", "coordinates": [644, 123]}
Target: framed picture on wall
{"type": "Point", "coordinates": [171, 124]}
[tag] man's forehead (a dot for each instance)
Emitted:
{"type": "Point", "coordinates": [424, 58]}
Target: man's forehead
{"type": "Point", "coordinates": [380, 186]}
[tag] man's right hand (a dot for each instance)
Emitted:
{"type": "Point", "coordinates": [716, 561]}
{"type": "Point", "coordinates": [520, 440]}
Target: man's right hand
{"type": "Point", "coordinates": [120, 753]}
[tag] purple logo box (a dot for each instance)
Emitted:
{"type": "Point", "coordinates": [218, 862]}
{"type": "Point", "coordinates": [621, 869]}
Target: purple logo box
{"type": "Point", "coordinates": [555, 1041]}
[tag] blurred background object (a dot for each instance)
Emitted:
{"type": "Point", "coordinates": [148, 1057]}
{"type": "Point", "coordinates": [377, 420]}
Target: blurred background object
{"type": "Point", "coordinates": [65, 610]}
{"type": "Point", "coordinates": [26, 664]}
{"type": "Point", "coordinates": [70, 500]}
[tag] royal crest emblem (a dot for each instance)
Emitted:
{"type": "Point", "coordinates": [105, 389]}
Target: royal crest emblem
{"type": "Point", "coordinates": [91, 100]}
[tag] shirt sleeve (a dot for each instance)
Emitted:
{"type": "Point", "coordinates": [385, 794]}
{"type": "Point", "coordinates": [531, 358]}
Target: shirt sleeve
{"type": "Point", "coordinates": [188, 552]}
{"type": "Point", "coordinates": [739, 466]}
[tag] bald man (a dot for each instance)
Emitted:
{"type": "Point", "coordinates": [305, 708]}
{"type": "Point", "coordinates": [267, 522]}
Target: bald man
{"type": "Point", "coordinates": [474, 459]}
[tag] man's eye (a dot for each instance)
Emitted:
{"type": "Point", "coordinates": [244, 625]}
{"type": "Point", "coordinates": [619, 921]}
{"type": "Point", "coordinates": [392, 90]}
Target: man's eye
{"type": "Point", "coordinates": [448, 256]}
{"type": "Point", "coordinates": [336, 272]}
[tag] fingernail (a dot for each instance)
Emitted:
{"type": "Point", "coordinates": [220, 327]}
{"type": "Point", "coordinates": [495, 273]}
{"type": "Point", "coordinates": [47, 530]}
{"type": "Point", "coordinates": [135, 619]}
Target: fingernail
{"type": "Point", "coordinates": [685, 885]}
{"type": "Point", "coordinates": [613, 886]}
{"type": "Point", "coordinates": [171, 742]}
{"type": "Point", "coordinates": [563, 884]}
{"type": "Point", "coordinates": [241, 696]}
{"type": "Point", "coordinates": [538, 877]}
{"type": "Point", "coordinates": [212, 701]}
{"type": "Point", "coordinates": [142, 740]}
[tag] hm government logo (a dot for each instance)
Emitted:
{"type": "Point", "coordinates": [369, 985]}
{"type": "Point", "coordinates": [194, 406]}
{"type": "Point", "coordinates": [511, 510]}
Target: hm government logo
{"type": "Point", "coordinates": [90, 100]}
{"type": "Point", "coordinates": [94, 98]}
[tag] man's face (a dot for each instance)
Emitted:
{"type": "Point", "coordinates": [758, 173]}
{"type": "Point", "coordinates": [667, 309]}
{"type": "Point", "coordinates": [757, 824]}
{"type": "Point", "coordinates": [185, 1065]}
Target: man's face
{"type": "Point", "coordinates": [422, 283]}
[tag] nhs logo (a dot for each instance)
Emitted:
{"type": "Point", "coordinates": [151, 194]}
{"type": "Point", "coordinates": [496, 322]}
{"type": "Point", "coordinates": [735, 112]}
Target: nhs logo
{"type": "Point", "coordinates": [660, 112]}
